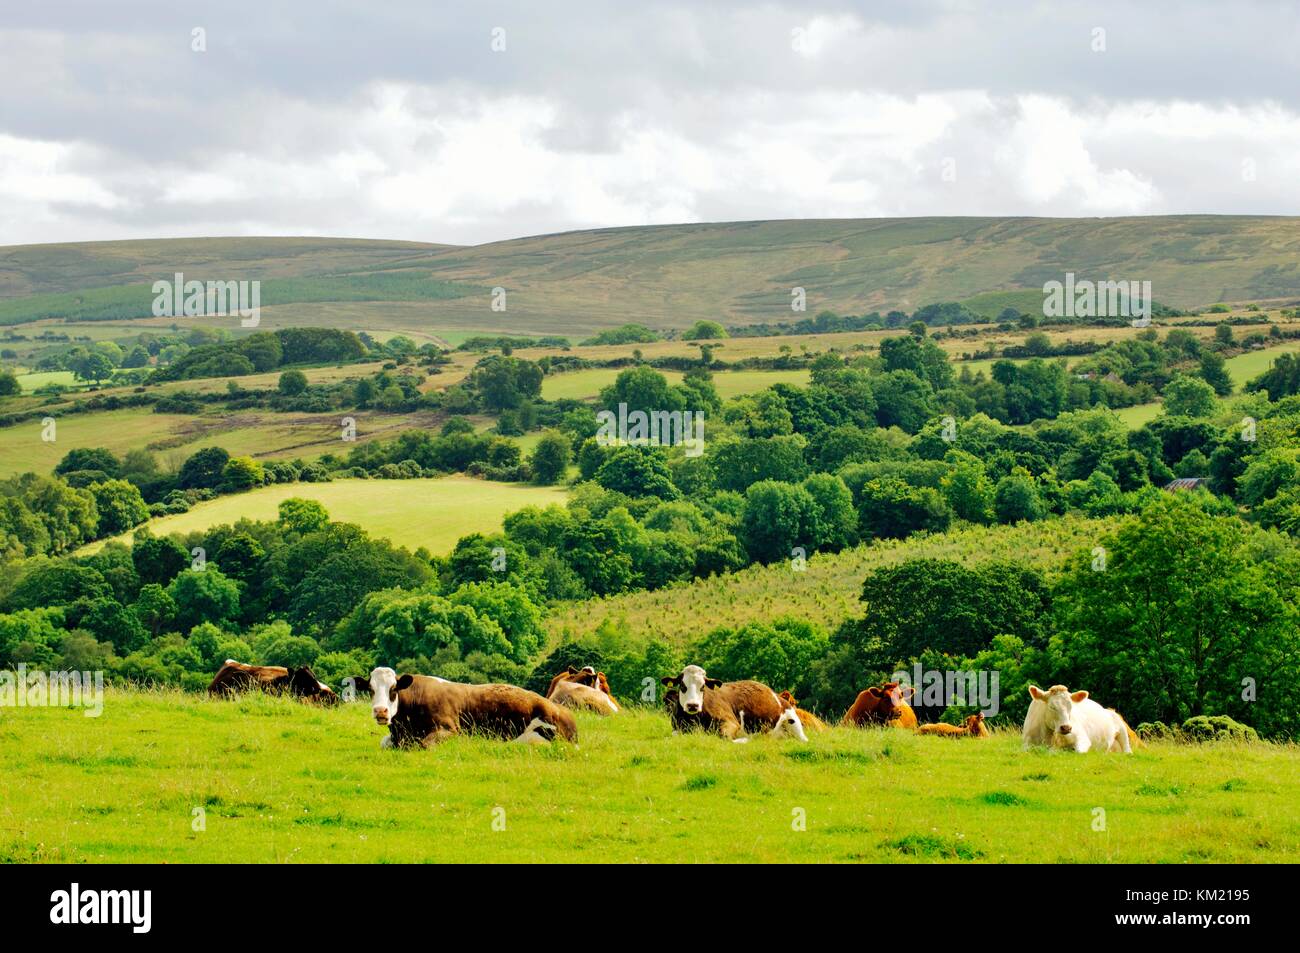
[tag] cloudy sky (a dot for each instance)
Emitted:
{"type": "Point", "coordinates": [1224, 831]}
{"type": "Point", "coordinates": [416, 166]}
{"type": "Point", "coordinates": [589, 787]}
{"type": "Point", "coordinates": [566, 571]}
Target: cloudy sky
{"type": "Point", "coordinates": [409, 120]}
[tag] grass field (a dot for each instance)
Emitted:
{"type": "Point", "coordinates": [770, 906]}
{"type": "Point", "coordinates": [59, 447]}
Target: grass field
{"type": "Point", "coordinates": [272, 781]}
{"type": "Point", "coordinates": [826, 592]}
{"type": "Point", "coordinates": [412, 513]}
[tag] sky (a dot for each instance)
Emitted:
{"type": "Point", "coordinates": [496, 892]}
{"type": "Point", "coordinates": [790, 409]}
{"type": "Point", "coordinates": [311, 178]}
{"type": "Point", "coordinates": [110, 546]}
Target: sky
{"type": "Point", "coordinates": [482, 121]}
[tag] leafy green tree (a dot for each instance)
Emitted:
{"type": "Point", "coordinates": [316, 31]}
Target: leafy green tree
{"type": "Point", "coordinates": [9, 386]}
{"type": "Point", "coordinates": [740, 463]}
{"type": "Point", "coordinates": [109, 621]}
{"type": "Point", "coordinates": [511, 609]}
{"type": "Point", "coordinates": [1189, 397]}
{"type": "Point", "coordinates": [1214, 372]}
{"type": "Point", "coordinates": [637, 471]}
{"type": "Point", "coordinates": [1016, 499]}
{"type": "Point", "coordinates": [1267, 474]}
{"type": "Point", "coordinates": [1186, 611]}
{"type": "Point", "coordinates": [155, 609]}
{"type": "Point", "coordinates": [55, 582]}
{"type": "Point", "coordinates": [89, 458]}
{"type": "Point", "coordinates": [777, 518]}
{"type": "Point", "coordinates": [833, 521]}
{"type": "Point", "coordinates": [778, 653]}
{"type": "Point", "coordinates": [505, 382]}
{"type": "Point", "coordinates": [204, 596]}
{"type": "Point", "coordinates": [158, 558]}
{"type": "Point", "coordinates": [204, 469]}
{"type": "Point", "coordinates": [550, 458]}
{"type": "Point", "coordinates": [242, 473]}
{"type": "Point", "coordinates": [303, 516]}
{"type": "Point", "coordinates": [967, 489]}
{"type": "Point", "coordinates": [889, 508]}
{"type": "Point", "coordinates": [705, 331]}
{"type": "Point", "coordinates": [120, 506]}
{"type": "Point", "coordinates": [292, 383]}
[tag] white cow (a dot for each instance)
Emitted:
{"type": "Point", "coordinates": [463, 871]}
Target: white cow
{"type": "Point", "coordinates": [1059, 718]}
{"type": "Point", "coordinates": [789, 726]}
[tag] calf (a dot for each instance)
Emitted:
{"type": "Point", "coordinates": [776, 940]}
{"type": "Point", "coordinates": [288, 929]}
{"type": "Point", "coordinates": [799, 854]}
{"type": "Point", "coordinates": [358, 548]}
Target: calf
{"type": "Point", "coordinates": [234, 677]}
{"type": "Point", "coordinates": [1059, 718]}
{"type": "Point", "coordinates": [974, 727]}
{"type": "Point", "coordinates": [810, 721]}
{"type": "Point", "coordinates": [883, 705]}
{"type": "Point", "coordinates": [418, 709]}
{"type": "Point", "coordinates": [583, 688]}
{"type": "Point", "coordinates": [696, 701]}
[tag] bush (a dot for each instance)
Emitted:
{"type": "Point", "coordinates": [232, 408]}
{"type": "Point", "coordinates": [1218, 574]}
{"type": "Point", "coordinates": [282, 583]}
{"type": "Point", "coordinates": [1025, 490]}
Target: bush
{"type": "Point", "coordinates": [1217, 728]}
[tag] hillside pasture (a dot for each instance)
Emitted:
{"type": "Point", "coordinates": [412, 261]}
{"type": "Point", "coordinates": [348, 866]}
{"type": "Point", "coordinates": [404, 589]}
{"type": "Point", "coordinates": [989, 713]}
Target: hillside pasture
{"type": "Point", "coordinates": [412, 513]}
{"type": "Point", "coordinates": [181, 778]}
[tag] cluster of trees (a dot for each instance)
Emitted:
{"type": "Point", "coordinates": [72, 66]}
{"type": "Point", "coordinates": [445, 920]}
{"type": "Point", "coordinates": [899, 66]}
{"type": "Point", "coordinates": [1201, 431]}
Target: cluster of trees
{"type": "Point", "coordinates": [264, 351]}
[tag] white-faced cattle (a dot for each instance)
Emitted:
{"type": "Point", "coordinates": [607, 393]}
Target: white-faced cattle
{"type": "Point", "coordinates": [538, 732]}
{"type": "Point", "coordinates": [1059, 718]}
{"type": "Point", "coordinates": [235, 677]}
{"type": "Point", "coordinates": [789, 725]}
{"type": "Point", "coordinates": [695, 701]}
{"type": "Point", "coordinates": [422, 710]}
{"type": "Point", "coordinates": [583, 688]}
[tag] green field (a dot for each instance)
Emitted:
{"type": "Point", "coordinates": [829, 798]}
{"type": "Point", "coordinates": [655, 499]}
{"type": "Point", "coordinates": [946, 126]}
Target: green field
{"type": "Point", "coordinates": [269, 780]}
{"type": "Point", "coordinates": [587, 384]}
{"type": "Point", "coordinates": [1245, 367]}
{"type": "Point", "coordinates": [412, 513]}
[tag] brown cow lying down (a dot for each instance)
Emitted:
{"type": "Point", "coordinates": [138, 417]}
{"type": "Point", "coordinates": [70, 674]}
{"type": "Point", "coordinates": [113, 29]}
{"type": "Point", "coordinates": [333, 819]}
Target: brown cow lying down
{"type": "Point", "coordinates": [810, 721]}
{"type": "Point", "coordinates": [695, 701]}
{"type": "Point", "coordinates": [237, 677]}
{"type": "Point", "coordinates": [583, 688]}
{"type": "Point", "coordinates": [883, 705]}
{"type": "Point", "coordinates": [973, 728]}
{"type": "Point", "coordinates": [419, 709]}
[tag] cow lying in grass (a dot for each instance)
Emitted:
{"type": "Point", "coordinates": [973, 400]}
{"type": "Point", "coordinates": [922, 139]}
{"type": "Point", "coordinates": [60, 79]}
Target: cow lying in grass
{"type": "Point", "coordinates": [583, 688]}
{"type": "Point", "coordinates": [235, 677]}
{"type": "Point", "coordinates": [973, 727]}
{"type": "Point", "coordinates": [883, 705]}
{"type": "Point", "coordinates": [1059, 718]}
{"type": "Point", "coordinates": [810, 721]}
{"type": "Point", "coordinates": [695, 701]}
{"type": "Point", "coordinates": [419, 709]}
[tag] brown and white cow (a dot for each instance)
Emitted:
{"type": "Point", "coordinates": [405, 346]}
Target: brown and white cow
{"type": "Point", "coordinates": [973, 727]}
{"type": "Point", "coordinates": [695, 701]}
{"type": "Point", "coordinates": [810, 721]}
{"type": "Point", "coordinates": [235, 677]}
{"type": "Point", "coordinates": [883, 705]}
{"type": "Point", "coordinates": [423, 710]}
{"type": "Point", "coordinates": [583, 688]}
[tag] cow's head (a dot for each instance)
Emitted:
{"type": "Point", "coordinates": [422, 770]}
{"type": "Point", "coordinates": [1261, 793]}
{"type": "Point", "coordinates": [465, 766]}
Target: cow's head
{"type": "Point", "coordinates": [538, 732]}
{"type": "Point", "coordinates": [690, 685]}
{"type": "Point", "coordinates": [975, 724]}
{"type": "Point", "coordinates": [890, 697]}
{"type": "Point", "coordinates": [583, 676]}
{"type": "Point", "coordinates": [787, 700]}
{"type": "Point", "coordinates": [383, 687]}
{"type": "Point", "coordinates": [1058, 717]}
{"type": "Point", "coordinates": [305, 685]}
{"type": "Point", "coordinates": [789, 725]}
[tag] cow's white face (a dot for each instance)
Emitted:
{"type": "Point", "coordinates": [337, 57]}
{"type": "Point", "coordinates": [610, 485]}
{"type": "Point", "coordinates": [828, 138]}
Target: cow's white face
{"type": "Point", "coordinates": [383, 693]}
{"type": "Point", "coordinates": [1058, 718]}
{"type": "Point", "coordinates": [538, 732]}
{"type": "Point", "coordinates": [690, 687]}
{"type": "Point", "coordinates": [789, 726]}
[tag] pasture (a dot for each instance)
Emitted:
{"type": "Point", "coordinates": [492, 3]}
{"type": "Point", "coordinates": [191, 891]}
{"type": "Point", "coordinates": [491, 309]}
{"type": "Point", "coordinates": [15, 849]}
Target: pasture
{"type": "Point", "coordinates": [181, 778]}
{"type": "Point", "coordinates": [412, 513]}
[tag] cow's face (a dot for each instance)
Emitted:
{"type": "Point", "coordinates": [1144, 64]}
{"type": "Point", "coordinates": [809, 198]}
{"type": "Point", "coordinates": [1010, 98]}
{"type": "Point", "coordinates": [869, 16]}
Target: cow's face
{"type": "Point", "coordinates": [385, 686]}
{"type": "Point", "coordinates": [538, 732]}
{"type": "Point", "coordinates": [787, 700]}
{"type": "Point", "coordinates": [1059, 714]}
{"type": "Point", "coordinates": [690, 687]}
{"type": "Point", "coordinates": [789, 726]}
{"type": "Point", "coordinates": [889, 698]}
{"type": "Point", "coordinates": [975, 724]}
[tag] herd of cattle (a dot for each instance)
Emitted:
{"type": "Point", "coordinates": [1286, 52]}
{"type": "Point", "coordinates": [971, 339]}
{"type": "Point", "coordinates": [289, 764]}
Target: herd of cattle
{"type": "Point", "coordinates": [425, 709]}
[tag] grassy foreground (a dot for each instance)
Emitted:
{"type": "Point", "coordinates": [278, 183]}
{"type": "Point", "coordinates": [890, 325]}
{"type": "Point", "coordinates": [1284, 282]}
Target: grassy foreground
{"type": "Point", "coordinates": [280, 782]}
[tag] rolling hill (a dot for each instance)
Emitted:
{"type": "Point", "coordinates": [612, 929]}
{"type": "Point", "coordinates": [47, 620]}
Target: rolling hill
{"type": "Point", "coordinates": [669, 275]}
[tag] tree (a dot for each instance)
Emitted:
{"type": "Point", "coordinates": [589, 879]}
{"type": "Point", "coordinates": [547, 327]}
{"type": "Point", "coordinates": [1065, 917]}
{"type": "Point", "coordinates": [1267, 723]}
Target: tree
{"type": "Point", "coordinates": [550, 458]}
{"type": "Point", "coordinates": [1189, 397]}
{"type": "Point", "coordinates": [9, 386]}
{"type": "Point", "coordinates": [204, 596]}
{"type": "Point", "coordinates": [967, 488]}
{"type": "Point", "coordinates": [120, 506]}
{"type": "Point", "coordinates": [303, 516]}
{"type": "Point", "coordinates": [89, 458]}
{"type": "Point", "coordinates": [292, 383]}
{"type": "Point", "coordinates": [510, 608]}
{"type": "Point", "coordinates": [778, 517]}
{"type": "Point", "coordinates": [779, 653]}
{"type": "Point", "coordinates": [158, 559]}
{"type": "Point", "coordinates": [637, 471]}
{"type": "Point", "coordinates": [136, 357]}
{"type": "Point", "coordinates": [1223, 334]}
{"type": "Point", "coordinates": [740, 463]}
{"type": "Point", "coordinates": [505, 382]}
{"type": "Point", "coordinates": [56, 582]}
{"type": "Point", "coordinates": [155, 609]}
{"type": "Point", "coordinates": [1185, 612]}
{"type": "Point", "coordinates": [204, 469]}
{"type": "Point", "coordinates": [705, 331]}
{"type": "Point", "coordinates": [93, 366]}
{"type": "Point", "coordinates": [241, 473]}
{"type": "Point", "coordinates": [1214, 372]}
{"type": "Point", "coordinates": [1016, 498]}
{"type": "Point", "coordinates": [888, 508]}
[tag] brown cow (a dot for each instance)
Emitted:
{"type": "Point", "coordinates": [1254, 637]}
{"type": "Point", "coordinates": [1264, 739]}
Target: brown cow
{"type": "Point", "coordinates": [883, 705]}
{"type": "Point", "coordinates": [730, 708]}
{"type": "Point", "coordinates": [583, 688]}
{"type": "Point", "coordinates": [810, 721]}
{"type": "Point", "coordinates": [974, 727]}
{"type": "Point", "coordinates": [236, 677]}
{"type": "Point", "coordinates": [419, 709]}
